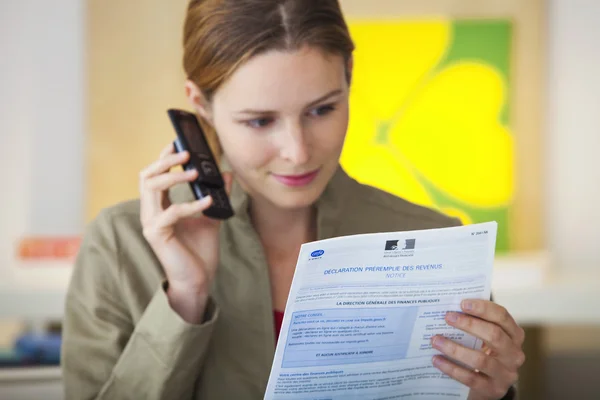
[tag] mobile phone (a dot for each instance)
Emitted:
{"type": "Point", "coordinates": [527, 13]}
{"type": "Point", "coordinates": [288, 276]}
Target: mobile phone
{"type": "Point", "coordinates": [190, 137]}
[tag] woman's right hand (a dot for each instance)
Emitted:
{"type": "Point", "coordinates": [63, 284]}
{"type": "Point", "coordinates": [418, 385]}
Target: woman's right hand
{"type": "Point", "coordinates": [185, 241]}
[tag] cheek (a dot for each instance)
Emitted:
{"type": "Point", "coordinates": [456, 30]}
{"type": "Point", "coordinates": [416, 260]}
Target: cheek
{"type": "Point", "coordinates": [331, 134]}
{"type": "Point", "coordinates": [245, 149]}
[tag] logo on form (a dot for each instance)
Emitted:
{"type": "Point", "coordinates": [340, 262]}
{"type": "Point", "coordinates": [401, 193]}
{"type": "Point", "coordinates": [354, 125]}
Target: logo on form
{"type": "Point", "coordinates": [409, 244]}
{"type": "Point", "coordinates": [316, 255]}
{"type": "Point", "coordinates": [394, 250]}
{"type": "Point", "coordinates": [391, 245]}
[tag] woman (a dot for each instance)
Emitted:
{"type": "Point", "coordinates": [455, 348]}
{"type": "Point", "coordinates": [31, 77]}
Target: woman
{"type": "Point", "coordinates": [165, 304]}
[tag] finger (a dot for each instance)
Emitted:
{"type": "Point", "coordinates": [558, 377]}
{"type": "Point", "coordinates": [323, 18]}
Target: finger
{"type": "Point", "coordinates": [164, 164]}
{"type": "Point", "coordinates": [497, 314]}
{"type": "Point", "coordinates": [228, 178]}
{"type": "Point", "coordinates": [179, 211]}
{"type": "Point", "coordinates": [478, 360]}
{"type": "Point", "coordinates": [152, 201]}
{"type": "Point", "coordinates": [494, 337]}
{"type": "Point", "coordinates": [479, 383]}
{"type": "Point", "coordinates": [168, 149]}
{"type": "Point", "coordinates": [165, 181]}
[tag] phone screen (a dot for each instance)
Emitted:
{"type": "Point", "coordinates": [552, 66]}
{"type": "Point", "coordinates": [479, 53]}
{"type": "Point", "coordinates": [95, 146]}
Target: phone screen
{"type": "Point", "coordinates": [193, 136]}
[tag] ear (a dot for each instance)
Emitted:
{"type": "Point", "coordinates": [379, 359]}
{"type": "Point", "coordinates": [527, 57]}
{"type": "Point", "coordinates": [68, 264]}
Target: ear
{"type": "Point", "coordinates": [198, 101]}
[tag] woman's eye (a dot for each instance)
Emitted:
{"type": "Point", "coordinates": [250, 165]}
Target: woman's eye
{"type": "Point", "coordinates": [323, 110]}
{"type": "Point", "coordinates": [259, 122]}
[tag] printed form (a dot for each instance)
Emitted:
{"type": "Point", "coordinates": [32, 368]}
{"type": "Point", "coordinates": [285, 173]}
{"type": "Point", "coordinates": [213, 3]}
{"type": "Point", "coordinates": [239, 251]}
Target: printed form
{"type": "Point", "coordinates": [362, 311]}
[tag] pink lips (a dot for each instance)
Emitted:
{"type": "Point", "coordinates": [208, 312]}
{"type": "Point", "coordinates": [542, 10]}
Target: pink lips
{"type": "Point", "coordinates": [297, 180]}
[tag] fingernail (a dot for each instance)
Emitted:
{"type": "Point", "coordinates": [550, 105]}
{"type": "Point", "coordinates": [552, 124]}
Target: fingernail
{"type": "Point", "coordinates": [436, 361]}
{"type": "Point", "coordinates": [467, 305]}
{"type": "Point", "coordinates": [438, 341]}
{"type": "Point", "coordinates": [452, 317]}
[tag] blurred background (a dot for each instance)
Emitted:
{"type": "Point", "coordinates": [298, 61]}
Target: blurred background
{"type": "Point", "coordinates": [482, 109]}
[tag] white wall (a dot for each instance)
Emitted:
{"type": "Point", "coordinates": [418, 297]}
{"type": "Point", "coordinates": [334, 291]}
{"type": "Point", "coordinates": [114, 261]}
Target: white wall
{"type": "Point", "coordinates": [573, 134]}
{"type": "Point", "coordinates": [41, 125]}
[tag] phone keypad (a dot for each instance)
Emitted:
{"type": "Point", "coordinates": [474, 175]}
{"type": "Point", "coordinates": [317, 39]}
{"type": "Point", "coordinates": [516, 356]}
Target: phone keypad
{"type": "Point", "coordinates": [208, 168]}
{"type": "Point", "coordinates": [222, 196]}
{"type": "Point", "coordinates": [219, 197]}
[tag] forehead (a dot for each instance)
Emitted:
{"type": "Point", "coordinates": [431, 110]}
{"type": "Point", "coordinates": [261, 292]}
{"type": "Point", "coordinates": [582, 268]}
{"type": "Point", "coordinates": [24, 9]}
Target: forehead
{"type": "Point", "coordinates": [279, 79]}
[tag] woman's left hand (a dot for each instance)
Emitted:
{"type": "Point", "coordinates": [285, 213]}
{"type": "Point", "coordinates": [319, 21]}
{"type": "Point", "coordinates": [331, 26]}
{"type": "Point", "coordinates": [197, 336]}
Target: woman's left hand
{"type": "Point", "coordinates": [495, 366]}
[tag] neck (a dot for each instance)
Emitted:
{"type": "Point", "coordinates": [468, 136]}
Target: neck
{"type": "Point", "coordinates": [278, 227]}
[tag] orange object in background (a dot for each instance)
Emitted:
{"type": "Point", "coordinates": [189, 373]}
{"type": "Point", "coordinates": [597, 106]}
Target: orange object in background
{"type": "Point", "coordinates": [49, 248]}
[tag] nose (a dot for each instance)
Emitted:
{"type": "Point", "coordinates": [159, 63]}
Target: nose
{"type": "Point", "coordinates": [294, 147]}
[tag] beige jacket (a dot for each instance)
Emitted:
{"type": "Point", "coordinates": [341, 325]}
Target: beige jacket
{"type": "Point", "coordinates": [123, 341]}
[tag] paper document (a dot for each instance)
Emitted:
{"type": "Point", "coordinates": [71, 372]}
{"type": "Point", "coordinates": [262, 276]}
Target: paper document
{"type": "Point", "coordinates": [362, 311]}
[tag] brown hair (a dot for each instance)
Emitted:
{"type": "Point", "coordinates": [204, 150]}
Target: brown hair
{"type": "Point", "coordinates": [220, 35]}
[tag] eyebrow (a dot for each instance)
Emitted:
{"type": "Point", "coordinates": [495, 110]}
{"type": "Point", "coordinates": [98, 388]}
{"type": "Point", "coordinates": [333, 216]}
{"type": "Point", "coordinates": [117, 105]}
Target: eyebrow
{"type": "Point", "coordinates": [312, 103]}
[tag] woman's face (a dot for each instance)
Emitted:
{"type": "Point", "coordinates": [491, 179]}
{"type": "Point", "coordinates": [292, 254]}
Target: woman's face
{"type": "Point", "coordinates": [281, 119]}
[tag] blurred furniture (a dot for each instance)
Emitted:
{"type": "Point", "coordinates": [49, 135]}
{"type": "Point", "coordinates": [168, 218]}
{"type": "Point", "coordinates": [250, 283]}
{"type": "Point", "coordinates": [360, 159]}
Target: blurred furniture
{"type": "Point", "coordinates": [537, 294]}
{"type": "Point", "coordinates": [31, 383]}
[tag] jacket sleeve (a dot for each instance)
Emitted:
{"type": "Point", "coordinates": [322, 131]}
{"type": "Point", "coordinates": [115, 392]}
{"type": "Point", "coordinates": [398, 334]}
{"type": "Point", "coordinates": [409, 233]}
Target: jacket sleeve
{"type": "Point", "coordinates": [104, 354]}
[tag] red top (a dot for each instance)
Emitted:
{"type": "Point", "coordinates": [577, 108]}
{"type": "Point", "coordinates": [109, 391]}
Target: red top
{"type": "Point", "coordinates": [278, 316]}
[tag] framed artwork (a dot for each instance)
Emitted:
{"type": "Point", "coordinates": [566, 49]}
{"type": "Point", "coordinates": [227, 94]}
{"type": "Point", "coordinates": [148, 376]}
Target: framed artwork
{"type": "Point", "coordinates": [430, 117]}
{"type": "Point", "coordinates": [439, 113]}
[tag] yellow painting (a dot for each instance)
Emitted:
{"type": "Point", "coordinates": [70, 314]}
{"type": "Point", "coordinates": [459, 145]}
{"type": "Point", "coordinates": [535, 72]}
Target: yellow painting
{"type": "Point", "coordinates": [430, 115]}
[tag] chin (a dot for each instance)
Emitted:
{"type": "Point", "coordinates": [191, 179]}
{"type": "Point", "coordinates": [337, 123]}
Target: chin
{"type": "Point", "coordinates": [296, 199]}
{"type": "Point", "coordinates": [297, 204]}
